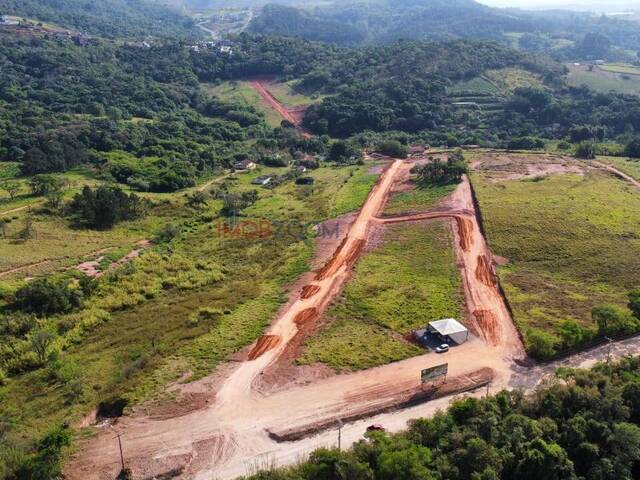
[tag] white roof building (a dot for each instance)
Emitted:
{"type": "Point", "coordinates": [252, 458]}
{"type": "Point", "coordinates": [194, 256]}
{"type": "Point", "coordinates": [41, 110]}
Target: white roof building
{"type": "Point", "coordinates": [450, 327]}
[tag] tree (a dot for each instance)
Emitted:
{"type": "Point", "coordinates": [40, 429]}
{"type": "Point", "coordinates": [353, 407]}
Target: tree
{"type": "Point", "coordinates": [613, 320]}
{"type": "Point", "coordinates": [437, 172]}
{"type": "Point", "coordinates": [28, 231]}
{"type": "Point", "coordinates": [332, 464]}
{"type": "Point", "coordinates": [40, 341]}
{"type": "Point", "coordinates": [45, 184]}
{"type": "Point", "coordinates": [46, 462]}
{"type": "Point", "coordinates": [393, 148]}
{"type": "Point", "coordinates": [595, 45]}
{"type": "Point", "coordinates": [12, 188]}
{"type": "Point", "coordinates": [634, 303]}
{"type": "Point", "coordinates": [198, 200]}
{"type": "Point", "coordinates": [105, 206]}
{"type": "Point", "coordinates": [540, 344]}
{"type": "Point", "coordinates": [545, 460]}
{"type": "Point", "coordinates": [411, 463]}
{"type": "Point", "coordinates": [586, 150]}
{"type": "Point", "coordinates": [633, 148]}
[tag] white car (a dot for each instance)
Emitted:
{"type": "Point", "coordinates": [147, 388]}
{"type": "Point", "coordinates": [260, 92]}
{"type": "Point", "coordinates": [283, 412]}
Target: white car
{"type": "Point", "coordinates": [442, 348]}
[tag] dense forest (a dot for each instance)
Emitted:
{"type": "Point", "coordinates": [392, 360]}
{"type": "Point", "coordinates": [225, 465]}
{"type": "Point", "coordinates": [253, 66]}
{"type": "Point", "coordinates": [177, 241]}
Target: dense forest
{"type": "Point", "coordinates": [106, 18]}
{"type": "Point", "coordinates": [559, 33]}
{"type": "Point", "coordinates": [583, 425]}
{"type": "Point", "coordinates": [143, 109]}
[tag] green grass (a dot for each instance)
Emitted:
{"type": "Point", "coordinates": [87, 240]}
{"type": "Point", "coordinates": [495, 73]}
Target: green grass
{"type": "Point", "coordinates": [400, 286]}
{"type": "Point", "coordinates": [135, 334]}
{"type": "Point", "coordinates": [571, 242]}
{"type": "Point", "coordinates": [284, 93]}
{"type": "Point", "coordinates": [241, 92]}
{"type": "Point", "coordinates": [630, 166]}
{"type": "Point", "coordinates": [476, 85]}
{"type": "Point", "coordinates": [417, 200]}
{"type": "Point", "coordinates": [621, 68]}
{"type": "Point", "coordinates": [603, 81]}
{"type": "Point", "coordinates": [509, 79]}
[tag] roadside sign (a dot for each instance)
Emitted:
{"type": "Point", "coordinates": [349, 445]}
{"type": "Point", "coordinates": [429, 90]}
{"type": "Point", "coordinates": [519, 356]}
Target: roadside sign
{"type": "Point", "coordinates": [429, 374]}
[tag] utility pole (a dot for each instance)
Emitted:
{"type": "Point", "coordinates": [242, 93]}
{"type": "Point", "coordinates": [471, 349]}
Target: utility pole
{"type": "Point", "coordinates": [610, 340]}
{"type": "Point", "coordinates": [340, 434]}
{"type": "Point", "coordinates": [120, 447]}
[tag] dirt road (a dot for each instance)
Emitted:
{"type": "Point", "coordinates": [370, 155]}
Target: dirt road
{"type": "Point", "coordinates": [229, 437]}
{"type": "Point", "coordinates": [618, 173]}
{"type": "Point", "coordinates": [293, 116]}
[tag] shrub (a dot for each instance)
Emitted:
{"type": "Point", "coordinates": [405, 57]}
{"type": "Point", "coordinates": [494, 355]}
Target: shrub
{"type": "Point", "coordinates": [437, 172]}
{"type": "Point", "coordinates": [104, 207]}
{"type": "Point", "coordinates": [632, 149]}
{"type": "Point", "coordinates": [540, 344]}
{"type": "Point", "coordinates": [586, 150]}
{"type": "Point", "coordinates": [393, 148]}
{"type": "Point", "coordinates": [48, 297]}
{"type": "Point", "coordinates": [525, 143]}
{"type": "Point", "coordinates": [613, 320]}
{"type": "Point", "coordinates": [45, 463]}
{"type": "Point", "coordinates": [3, 378]}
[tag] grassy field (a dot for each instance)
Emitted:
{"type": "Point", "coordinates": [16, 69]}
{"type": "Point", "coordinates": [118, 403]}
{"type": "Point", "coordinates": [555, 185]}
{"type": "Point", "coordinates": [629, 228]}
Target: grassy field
{"type": "Point", "coordinates": [508, 79]}
{"type": "Point", "coordinates": [285, 94]}
{"type": "Point", "coordinates": [408, 281]}
{"type": "Point", "coordinates": [141, 327]}
{"type": "Point", "coordinates": [603, 81]}
{"type": "Point", "coordinates": [241, 92]}
{"type": "Point", "coordinates": [621, 68]}
{"type": "Point", "coordinates": [630, 166]}
{"type": "Point", "coordinates": [571, 242]}
{"type": "Point", "coordinates": [417, 200]}
{"type": "Point", "coordinates": [476, 85]}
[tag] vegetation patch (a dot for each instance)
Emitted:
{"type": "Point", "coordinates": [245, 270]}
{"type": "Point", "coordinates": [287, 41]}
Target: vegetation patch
{"type": "Point", "coordinates": [571, 242]}
{"type": "Point", "coordinates": [400, 286]}
{"type": "Point", "coordinates": [418, 199]}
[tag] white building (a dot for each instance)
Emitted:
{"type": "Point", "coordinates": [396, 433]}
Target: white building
{"type": "Point", "coordinates": [449, 329]}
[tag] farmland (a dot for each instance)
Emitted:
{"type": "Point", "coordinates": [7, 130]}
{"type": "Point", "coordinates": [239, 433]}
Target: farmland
{"type": "Point", "coordinates": [568, 240]}
{"type": "Point", "coordinates": [603, 81]}
{"type": "Point", "coordinates": [407, 281]}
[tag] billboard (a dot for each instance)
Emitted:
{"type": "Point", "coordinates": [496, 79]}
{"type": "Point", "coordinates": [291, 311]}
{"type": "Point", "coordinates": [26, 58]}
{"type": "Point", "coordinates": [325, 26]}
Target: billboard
{"type": "Point", "coordinates": [429, 374]}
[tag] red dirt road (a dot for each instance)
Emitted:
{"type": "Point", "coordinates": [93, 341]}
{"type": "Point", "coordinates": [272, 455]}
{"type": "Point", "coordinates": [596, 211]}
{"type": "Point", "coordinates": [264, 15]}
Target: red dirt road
{"type": "Point", "coordinates": [294, 116]}
{"type": "Point", "coordinates": [219, 440]}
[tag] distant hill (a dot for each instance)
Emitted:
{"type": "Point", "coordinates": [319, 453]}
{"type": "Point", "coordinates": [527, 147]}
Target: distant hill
{"type": "Point", "coordinates": [383, 21]}
{"type": "Point", "coordinates": [106, 18]}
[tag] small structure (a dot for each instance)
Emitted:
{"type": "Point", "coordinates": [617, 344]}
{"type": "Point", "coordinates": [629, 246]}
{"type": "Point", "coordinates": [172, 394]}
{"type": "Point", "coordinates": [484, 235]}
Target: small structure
{"type": "Point", "coordinates": [449, 329]}
{"type": "Point", "coordinates": [6, 20]}
{"type": "Point", "coordinates": [417, 150]}
{"type": "Point", "coordinates": [262, 180]}
{"type": "Point", "coordinates": [244, 165]}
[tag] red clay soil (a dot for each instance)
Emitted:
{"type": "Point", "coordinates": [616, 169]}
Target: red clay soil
{"type": "Point", "coordinates": [465, 232]}
{"type": "Point", "coordinates": [484, 272]}
{"type": "Point", "coordinates": [332, 265]}
{"type": "Point", "coordinates": [294, 116]}
{"type": "Point", "coordinates": [309, 291]}
{"type": "Point", "coordinates": [263, 345]}
{"type": "Point", "coordinates": [380, 402]}
{"type": "Point", "coordinates": [489, 327]}
{"type": "Point", "coordinates": [306, 316]}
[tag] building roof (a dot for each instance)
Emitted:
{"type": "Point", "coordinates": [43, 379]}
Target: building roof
{"type": "Point", "coordinates": [448, 326]}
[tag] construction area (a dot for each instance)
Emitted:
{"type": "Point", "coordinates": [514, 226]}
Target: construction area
{"type": "Point", "coordinates": [256, 415]}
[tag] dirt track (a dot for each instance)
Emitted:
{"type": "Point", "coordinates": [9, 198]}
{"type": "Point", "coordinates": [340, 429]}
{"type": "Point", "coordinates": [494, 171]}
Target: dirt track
{"type": "Point", "coordinates": [294, 116]}
{"type": "Point", "coordinates": [229, 437]}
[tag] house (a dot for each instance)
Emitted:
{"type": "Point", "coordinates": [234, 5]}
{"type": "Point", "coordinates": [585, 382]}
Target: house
{"type": "Point", "coordinates": [262, 180]}
{"type": "Point", "coordinates": [244, 165]}
{"type": "Point", "coordinates": [226, 50]}
{"type": "Point", "coordinates": [301, 169]}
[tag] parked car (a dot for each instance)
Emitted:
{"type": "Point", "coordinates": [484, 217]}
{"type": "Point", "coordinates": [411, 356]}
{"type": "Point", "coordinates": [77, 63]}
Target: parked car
{"type": "Point", "coordinates": [376, 427]}
{"type": "Point", "coordinates": [444, 348]}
